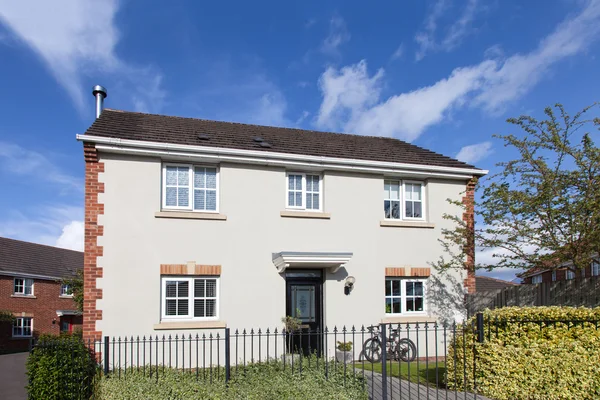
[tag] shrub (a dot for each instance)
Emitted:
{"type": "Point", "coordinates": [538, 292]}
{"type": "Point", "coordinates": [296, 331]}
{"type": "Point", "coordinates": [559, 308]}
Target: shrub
{"type": "Point", "coordinates": [260, 381]}
{"type": "Point", "coordinates": [344, 346]}
{"type": "Point", "coordinates": [6, 316]}
{"type": "Point", "coordinates": [524, 356]}
{"type": "Point", "coordinates": [61, 367]}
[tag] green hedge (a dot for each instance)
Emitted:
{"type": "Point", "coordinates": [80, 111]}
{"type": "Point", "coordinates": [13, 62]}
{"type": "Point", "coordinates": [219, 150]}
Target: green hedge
{"type": "Point", "coordinates": [265, 381]}
{"type": "Point", "coordinates": [61, 368]}
{"type": "Point", "coordinates": [530, 360]}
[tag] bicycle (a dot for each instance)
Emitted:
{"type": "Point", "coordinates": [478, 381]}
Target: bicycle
{"type": "Point", "coordinates": [397, 348]}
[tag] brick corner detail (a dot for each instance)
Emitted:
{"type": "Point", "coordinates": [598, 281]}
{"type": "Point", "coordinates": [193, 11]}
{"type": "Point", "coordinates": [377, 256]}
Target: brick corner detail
{"type": "Point", "coordinates": [91, 270]}
{"type": "Point", "coordinates": [469, 218]}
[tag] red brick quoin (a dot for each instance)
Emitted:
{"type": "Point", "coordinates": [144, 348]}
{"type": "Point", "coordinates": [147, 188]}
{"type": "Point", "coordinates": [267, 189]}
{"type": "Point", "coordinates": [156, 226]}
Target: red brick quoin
{"type": "Point", "coordinates": [469, 218]}
{"type": "Point", "coordinates": [91, 270]}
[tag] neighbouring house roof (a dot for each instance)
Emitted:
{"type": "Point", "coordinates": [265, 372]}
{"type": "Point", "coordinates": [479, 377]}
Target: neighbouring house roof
{"type": "Point", "coordinates": [185, 131]}
{"type": "Point", "coordinates": [32, 259]}
{"type": "Point", "coordinates": [484, 283]}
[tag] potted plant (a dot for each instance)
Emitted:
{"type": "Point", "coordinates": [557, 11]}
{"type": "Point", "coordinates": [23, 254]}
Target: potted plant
{"type": "Point", "coordinates": [343, 352]}
{"type": "Point", "coordinates": [291, 325]}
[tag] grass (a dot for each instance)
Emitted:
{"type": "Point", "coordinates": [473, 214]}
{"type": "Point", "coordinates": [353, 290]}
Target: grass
{"type": "Point", "coordinates": [421, 372]}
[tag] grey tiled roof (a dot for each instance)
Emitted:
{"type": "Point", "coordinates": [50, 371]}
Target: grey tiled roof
{"type": "Point", "coordinates": [37, 259]}
{"type": "Point", "coordinates": [178, 130]}
{"type": "Point", "coordinates": [484, 283]}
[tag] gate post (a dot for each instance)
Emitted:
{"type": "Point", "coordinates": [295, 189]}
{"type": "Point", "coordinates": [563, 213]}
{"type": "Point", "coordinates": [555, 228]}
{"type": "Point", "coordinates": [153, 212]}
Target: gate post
{"type": "Point", "coordinates": [227, 355]}
{"type": "Point", "coordinates": [106, 354]}
{"type": "Point", "coordinates": [383, 330]}
{"type": "Point", "coordinates": [480, 331]}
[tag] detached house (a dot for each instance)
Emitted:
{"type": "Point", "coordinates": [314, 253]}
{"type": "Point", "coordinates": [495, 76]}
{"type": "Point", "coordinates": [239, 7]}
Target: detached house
{"type": "Point", "coordinates": [31, 289]}
{"type": "Point", "coordinates": [195, 224]}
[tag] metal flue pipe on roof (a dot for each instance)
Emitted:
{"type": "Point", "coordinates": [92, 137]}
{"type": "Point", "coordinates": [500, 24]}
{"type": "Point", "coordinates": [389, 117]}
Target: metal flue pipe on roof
{"type": "Point", "coordinates": [100, 94]}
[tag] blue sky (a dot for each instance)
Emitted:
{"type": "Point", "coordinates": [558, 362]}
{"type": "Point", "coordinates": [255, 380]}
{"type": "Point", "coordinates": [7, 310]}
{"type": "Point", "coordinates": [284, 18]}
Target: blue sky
{"type": "Point", "coordinates": [441, 74]}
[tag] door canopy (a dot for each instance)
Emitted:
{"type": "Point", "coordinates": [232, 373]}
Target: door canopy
{"type": "Point", "coordinates": [295, 259]}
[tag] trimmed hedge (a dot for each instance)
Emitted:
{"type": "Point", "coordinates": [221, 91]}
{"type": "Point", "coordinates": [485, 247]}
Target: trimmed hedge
{"type": "Point", "coordinates": [61, 368]}
{"type": "Point", "coordinates": [521, 359]}
{"type": "Point", "coordinates": [264, 381]}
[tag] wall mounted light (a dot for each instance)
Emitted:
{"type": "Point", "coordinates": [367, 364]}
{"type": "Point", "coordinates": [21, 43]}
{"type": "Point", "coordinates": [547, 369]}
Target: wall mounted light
{"type": "Point", "coordinates": [349, 285]}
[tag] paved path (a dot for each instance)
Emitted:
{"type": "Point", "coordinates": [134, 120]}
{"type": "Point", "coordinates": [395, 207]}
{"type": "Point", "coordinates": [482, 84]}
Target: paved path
{"type": "Point", "coordinates": [12, 376]}
{"type": "Point", "coordinates": [402, 389]}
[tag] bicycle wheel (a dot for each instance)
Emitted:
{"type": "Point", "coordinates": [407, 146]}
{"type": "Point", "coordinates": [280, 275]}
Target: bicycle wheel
{"type": "Point", "coordinates": [406, 350]}
{"type": "Point", "coordinates": [372, 350]}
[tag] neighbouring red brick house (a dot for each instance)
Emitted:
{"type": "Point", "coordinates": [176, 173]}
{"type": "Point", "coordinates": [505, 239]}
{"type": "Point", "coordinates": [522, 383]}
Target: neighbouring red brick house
{"type": "Point", "coordinates": [534, 276]}
{"type": "Point", "coordinates": [31, 289]}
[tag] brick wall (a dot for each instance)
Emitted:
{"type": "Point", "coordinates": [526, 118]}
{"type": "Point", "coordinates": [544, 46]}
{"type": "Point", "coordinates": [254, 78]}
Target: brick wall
{"type": "Point", "coordinates": [469, 218]}
{"type": "Point", "coordinates": [91, 270]}
{"type": "Point", "coordinates": [42, 308]}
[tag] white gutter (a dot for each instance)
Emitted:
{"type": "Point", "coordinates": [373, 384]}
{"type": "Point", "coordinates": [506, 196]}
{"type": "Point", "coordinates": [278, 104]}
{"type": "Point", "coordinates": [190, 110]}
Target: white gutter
{"type": "Point", "coordinates": [34, 276]}
{"type": "Point", "coordinates": [170, 150]}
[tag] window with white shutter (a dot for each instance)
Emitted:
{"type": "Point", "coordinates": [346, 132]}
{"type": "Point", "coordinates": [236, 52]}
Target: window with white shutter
{"type": "Point", "coordinates": [191, 188]}
{"type": "Point", "coordinates": [193, 298]}
{"type": "Point", "coordinates": [304, 192]}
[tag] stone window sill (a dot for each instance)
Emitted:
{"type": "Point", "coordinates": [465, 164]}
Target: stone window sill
{"type": "Point", "coordinates": [406, 224]}
{"type": "Point", "coordinates": [190, 215]}
{"type": "Point", "coordinates": [23, 296]}
{"type": "Point", "coordinates": [65, 296]}
{"type": "Point", "coordinates": [189, 325]}
{"type": "Point", "coordinates": [408, 318]}
{"type": "Point", "coordinates": [305, 214]}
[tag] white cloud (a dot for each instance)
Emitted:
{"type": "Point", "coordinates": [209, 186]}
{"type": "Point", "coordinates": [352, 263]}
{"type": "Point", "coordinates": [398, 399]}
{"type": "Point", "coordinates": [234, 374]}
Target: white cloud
{"type": "Point", "coordinates": [347, 93]}
{"type": "Point", "coordinates": [351, 97]}
{"type": "Point", "coordinates": [73, 38]}
{"type": "Point", "coordinates": [15, 159]}
{"type": "Point", "coordinates": [338, 34]}
{"type": "Point", "coordinates": [399, 52]}
{"type": "Point", "coordinates": [351, 101]}
{"type": "Point", "coordinates": [456, 32]}
{"type": "Point", "coordinates": [269, 110]}
{"type": "Point", "coordinates": [519, 73]}
{"type": "Point", "coordinates": [474, 152]}
{"type": "Point", "coordinates": [72, 236]}
{"type": "Point", "coordinates": [54, 225]}
{"type": "Point", "coordinates": [302, 117]}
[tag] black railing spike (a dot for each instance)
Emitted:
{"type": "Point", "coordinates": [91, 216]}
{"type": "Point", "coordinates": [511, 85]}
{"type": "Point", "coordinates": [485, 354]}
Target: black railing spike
{"type": "Point", "coordinates": [210, 335]}
{"type": "Point", "coordinates": [353, 329]}
{"type": "Point", "coordinates": [335, 329]}
{"type": "Point", "coordinates": [267, 331]}
{"type": "Point", "coordinates": [236, 331]}
{"type": "Point", "coordinates": [244, 331]}
{"type": "Point", "coordinates": [144, 337]}
{"type": "Point", "coordinates": [204, 336]}
{"type": "Point", "coordinates": [259, 332]}
{"type": "Point", "coordinates": [218, 337]}
{"type": "Point", "coordinates": [344, 329]}
{"type": "Point", "coordinates": [275, 331]}
{"type": "Point", "coordinates": [252, 331]}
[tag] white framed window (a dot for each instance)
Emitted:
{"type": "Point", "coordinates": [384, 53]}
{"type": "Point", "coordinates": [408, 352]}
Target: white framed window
{"type": "Point", "coordinates": [23, 286]}
{"type": "Point", "coordinates": [190, 187]}
{"type": "Point", "coordinates": [22, 327]}
{"type": "Point", "coordinates": [304, 191]}
{"type": "Point", "coordinates": [553, 276]}
{"type": "Point", "coordinates": [536, 279]}
{"type": "Point", "coordinates": [404, 296]}
{"type": "Point", "coordinates": [194, 298]}
{"type": "Point", "coordinates": [414, 206]}
{"type": "Point", "coordinates": [391, 199]}
{"type": "Point", "coordinates": [66, 291]}
{"type": "Point", "coordinates": [595, 268]}
{"type": "Point", "coordinates": [570, 274]}
{"type": "Point", "coordinates": [403, 200]}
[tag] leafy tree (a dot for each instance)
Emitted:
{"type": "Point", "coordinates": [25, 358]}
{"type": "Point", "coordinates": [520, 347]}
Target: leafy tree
{"type": "Point", "coordinates": [76, 286]}
{"type": "Point", "coordinates": [542, 209]}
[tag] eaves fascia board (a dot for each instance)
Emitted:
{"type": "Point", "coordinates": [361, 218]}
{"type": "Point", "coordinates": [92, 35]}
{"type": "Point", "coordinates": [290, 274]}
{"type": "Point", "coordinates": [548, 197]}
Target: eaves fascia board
{"type": "Point", "coordinates": [178, 151]}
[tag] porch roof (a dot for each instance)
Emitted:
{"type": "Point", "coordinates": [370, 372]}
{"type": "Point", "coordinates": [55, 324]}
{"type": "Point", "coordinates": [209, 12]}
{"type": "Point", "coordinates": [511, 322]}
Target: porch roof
{"type": "Point", "coordinates": [296, 259]}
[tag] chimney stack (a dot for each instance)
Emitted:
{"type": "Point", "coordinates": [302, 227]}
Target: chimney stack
{"type": "Point", "coordinates": [100, 94]}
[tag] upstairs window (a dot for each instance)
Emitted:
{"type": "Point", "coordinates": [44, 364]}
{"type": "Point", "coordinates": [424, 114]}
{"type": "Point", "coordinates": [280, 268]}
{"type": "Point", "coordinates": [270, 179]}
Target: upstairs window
{"type": "Point", "coordinates": [570, 275]}
{"type": "Point", "coordinates": [190, 298]}
{"type": "Point", "coordinates": [66, 290]}
{"type": "Point", "coordinates": [23, 286]}
{"type": "Point", "coordinates": [191, 188]}
{"type": "Point", "coordinates": [536, 279]}
{"type": "Point", "coordinates": [553, 276]}
{"type": "Point", "coordinates": [304, 192]}
{"type": "Point", "coordinates": [403, 200]}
